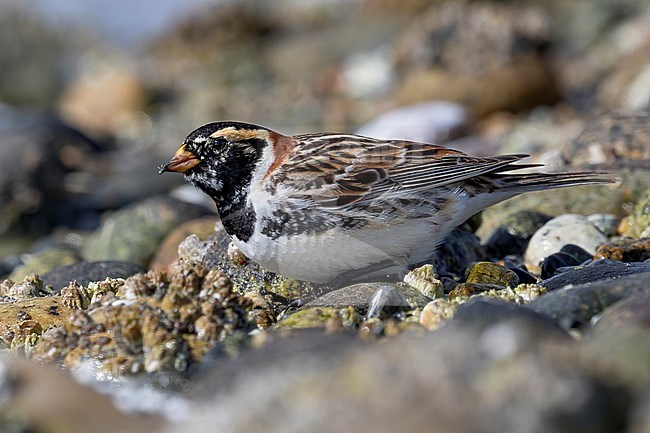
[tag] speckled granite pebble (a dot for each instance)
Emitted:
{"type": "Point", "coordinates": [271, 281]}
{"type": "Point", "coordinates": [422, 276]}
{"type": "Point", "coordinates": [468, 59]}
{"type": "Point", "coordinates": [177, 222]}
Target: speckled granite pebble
{"type": "Point", "coordinates": [562, 230]}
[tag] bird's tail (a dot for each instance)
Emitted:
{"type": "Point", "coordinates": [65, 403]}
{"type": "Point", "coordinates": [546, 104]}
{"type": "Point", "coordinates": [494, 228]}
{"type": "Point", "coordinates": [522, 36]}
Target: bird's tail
{"type": "Point", "coordinates": [519, 183]}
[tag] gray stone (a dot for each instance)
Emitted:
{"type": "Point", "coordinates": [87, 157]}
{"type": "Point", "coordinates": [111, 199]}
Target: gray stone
{"type": "Point", "coordinates": [594, 272]}
{"type": "Point", "coordinates": [86, 272]}
{"type": "Point", "coordinates": [574, 306]}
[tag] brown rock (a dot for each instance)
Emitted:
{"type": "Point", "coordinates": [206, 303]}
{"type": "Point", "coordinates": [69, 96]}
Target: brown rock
{"type": "Point", "coordinates": [24, 321]}
{"type": "Point", "coordinates": [167, 252]}
{"type": "Point", "coordinates": [625, 250]}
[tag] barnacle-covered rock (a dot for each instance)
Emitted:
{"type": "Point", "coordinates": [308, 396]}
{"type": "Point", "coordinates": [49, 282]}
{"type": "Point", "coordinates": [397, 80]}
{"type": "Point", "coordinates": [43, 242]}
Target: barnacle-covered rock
{"type": "Point", "coordinates": [29, 287]}
{"type": "Point", "coordinates": [246, 275]}
{"type": "Point", "coordinates": [436, 312]}
{"type": "Point", "coordinates": [463, 291]}
{"type": "Point", "coordinates": [23, 322]}
{"type": "Point", "coordinates": [75, 296]}
{"type": "Point", "coordinates": [150, 322]}
{"type": "Point", "coordinates": [521, 294]}
{"type": "Point", "coordinates": [426, 280]}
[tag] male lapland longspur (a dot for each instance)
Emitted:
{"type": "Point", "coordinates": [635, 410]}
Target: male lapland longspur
{"type": "Point", "coordinates": [320, 207]}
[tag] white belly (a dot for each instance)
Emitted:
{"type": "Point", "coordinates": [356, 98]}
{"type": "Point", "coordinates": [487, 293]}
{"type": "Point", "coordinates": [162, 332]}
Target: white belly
{"type": "Point", "coordinates": [321, 258]}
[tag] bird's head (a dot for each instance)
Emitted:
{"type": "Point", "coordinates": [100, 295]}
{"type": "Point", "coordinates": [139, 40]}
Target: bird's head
{"type": "Point", "coordinates": [219, 153]}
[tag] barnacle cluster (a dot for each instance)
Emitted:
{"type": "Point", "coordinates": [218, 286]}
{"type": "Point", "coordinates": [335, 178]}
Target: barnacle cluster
{"type": "Point", "coordinates": [149, 322]}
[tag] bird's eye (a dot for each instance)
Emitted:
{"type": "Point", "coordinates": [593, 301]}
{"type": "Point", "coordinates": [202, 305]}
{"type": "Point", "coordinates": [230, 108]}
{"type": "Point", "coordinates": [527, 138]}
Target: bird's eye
{"type": "Point", "coordinates": [221, 142]}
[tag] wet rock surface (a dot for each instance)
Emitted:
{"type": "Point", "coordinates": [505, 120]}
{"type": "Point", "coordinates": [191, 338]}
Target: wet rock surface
{"type": "Point", "coordinates": [595, 271]}
{"type": "Point", "coordinates": [576, 305]}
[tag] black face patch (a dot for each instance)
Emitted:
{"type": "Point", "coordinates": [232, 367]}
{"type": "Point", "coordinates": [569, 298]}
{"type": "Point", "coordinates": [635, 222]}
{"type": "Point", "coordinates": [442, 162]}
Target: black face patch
{"type": "Point", "coordinates": [225, 174]}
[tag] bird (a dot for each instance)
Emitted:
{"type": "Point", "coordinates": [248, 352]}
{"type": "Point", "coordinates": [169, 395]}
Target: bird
{"type": "Point", "coordinates": [337, 207]}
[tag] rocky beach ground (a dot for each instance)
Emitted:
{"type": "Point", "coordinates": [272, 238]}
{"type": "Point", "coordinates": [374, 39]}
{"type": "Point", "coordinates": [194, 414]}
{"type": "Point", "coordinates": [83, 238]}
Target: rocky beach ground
{"type": "Point", "coordinates": [124, 307]}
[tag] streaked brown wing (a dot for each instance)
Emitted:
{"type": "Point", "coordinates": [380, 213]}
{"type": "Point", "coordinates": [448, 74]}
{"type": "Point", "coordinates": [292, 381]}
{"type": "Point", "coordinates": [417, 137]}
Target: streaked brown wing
{"type": "Point", "coordinates": [337, 169]}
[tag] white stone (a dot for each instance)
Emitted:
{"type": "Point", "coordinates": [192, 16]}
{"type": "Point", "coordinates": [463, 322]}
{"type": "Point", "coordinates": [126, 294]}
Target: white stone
{"type": "Point", "coordinates": [562, 230]}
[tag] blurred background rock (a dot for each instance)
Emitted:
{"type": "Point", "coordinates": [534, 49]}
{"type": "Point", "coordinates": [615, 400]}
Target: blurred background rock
{"type": "Point", "coordinates": [94, 95]}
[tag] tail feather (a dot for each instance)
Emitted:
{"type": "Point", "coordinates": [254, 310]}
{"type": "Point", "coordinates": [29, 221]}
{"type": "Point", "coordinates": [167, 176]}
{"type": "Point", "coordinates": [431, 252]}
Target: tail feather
{"type": "Point", "coordinates": [538, 181]}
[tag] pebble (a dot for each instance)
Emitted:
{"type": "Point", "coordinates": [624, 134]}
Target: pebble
{"type": "Point", "coordinates": [360, 296]}
{"type": "Point", "coordinates": [578, 253]}
{"type": "Point", "coordinates": [437, 312]}
{"type": "Point", "coordinates": [167, 251]}
{"type": "Point", "coordinates": [525, 277]}
{"type": "Point", "coordinates": [459, 250]}
{"type": "Point", "coordinates": [386, 302]}
{"type": "Point", "coordinates": [463, 291]}
{"type": "Point", "coordinates": [492, 273]}
{"type": "Point", "coordinates": [607, 223]}
{"type": "Point", "coordinates": [44, 261]}
{"type": "Point", "coordinates": [330, 318]}
{"type": "Point", "coordinates": [632, 312]}
{"type": "Point", "coordinates": [562, 230]}
{"type": "Point", "coordinates": [484, 313]}
{"type": "Point", "coordinates": [612, 139]}
{"type": "Point", "coordinates": [555, 262]}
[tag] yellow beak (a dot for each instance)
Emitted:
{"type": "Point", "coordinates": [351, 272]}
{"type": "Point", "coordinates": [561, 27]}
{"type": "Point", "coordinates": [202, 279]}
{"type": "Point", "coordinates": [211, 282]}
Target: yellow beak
{"type": "Point", "coordinates": [182, 161]}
